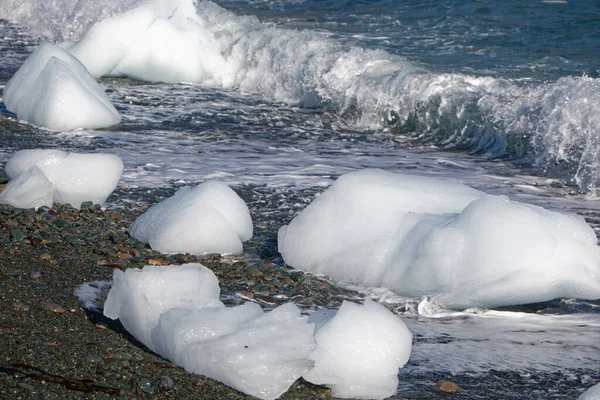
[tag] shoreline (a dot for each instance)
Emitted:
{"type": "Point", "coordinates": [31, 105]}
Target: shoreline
{"type": "Point", "coordinates": [52, 347]}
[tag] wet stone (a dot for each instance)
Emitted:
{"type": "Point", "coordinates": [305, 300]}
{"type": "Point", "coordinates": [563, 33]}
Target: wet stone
{"type": "Point", "coordinates": [86, 204]}
{"type": "Point", "coordinates": [93, 359]}
{"type": "Point", "coordinates": [39, 285]}
{"type": "Point", "coordinates": [447, 387]}
{"type": "Point", "coordinates": [253, 272]}
{"type": "Point", "coordinates": [20, 306]}
{"type": "Point", "coordinates": [35, 274]}
{"type": "Point", "coordinates": [297, 276]}
{"type": "Point", "coordinates": [165, 382]}
{"type": "Point", "coordinates": [14, 273]}
{"type": "Point", "coordinates": [120, 356]}
{"type": "Point", "coordinates": [18, 234]}
{"type": "Point", "coordinates": [54, 307]}
{"type": "Point", "coordinates": [145, 385]}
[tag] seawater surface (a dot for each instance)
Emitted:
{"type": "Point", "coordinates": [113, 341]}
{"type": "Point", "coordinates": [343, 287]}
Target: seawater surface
{"type": "Point", "coordinates": [503, 96]}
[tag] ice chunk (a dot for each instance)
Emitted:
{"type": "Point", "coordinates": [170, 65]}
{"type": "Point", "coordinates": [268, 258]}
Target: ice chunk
{"type": "Point", "coordinates": [209, 218]}
{"type": "Point", "coordinates": [257, 353]}
{"type": "Point", "coordinates": [351, 231]}
{"type": "Point", "coordinates": [53, 90]}
{"type": "Point", "coordinates": [592, 393]}
{"type": "Point", "coordinates": [498, 252]}
{"type": "Point", "coordinates": [139, 297]}
{"type": "Point", "coordinates": [160, 41]}
{"type": "Point", "coordinates": [425, 236]}
{"type": "Point", "coordinates": [175, 312]}
{"type": "Point", "coordinates": [29, 190]}
{"type": "Point", "coordinates": [359, 352]}
{"type": "Point", "coordinates": [75, 177]}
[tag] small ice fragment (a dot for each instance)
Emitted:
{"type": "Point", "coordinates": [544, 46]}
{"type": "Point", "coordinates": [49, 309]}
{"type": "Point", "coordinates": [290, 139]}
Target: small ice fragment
{"type": "Point", "coordinates": [359, 352]}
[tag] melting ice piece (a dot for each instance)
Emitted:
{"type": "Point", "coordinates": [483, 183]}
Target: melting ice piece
{"type": "Point", "coordinates": [138, 297]}
{"type": "Point", "coordinates": [592, 393]}
{"type": "Point", "coordinates": [359, 352]}
{"type": "Point", "coordinates": [160, 41]}
{"type": "Point", "coordinates": [53, 90]}
{"type": "Point", "coordinates": [175, 312]}
{"type": "Point", "coordinates": [209, 218]}
{"type": "Point", "coordinates": [426, 236]}
{"type": "Point", "coordinates": [257, 353]}
{"type": "Point", "coordinates": [74, 177]}
{"type": "Point", "coordinates": [29, 190]}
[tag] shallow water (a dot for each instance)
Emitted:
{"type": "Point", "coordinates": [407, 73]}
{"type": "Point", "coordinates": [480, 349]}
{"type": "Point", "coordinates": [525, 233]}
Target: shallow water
{"type": "Point", "coordinates": [504, 97]}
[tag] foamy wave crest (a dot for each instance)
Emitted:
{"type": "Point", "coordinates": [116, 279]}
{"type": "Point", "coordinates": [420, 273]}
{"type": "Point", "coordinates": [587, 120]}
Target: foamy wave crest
{"type": "Point", "coordinates": [554, 126]}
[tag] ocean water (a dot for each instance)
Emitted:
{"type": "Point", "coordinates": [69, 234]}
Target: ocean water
{"type": "Point", "coordinates": [503, 96]}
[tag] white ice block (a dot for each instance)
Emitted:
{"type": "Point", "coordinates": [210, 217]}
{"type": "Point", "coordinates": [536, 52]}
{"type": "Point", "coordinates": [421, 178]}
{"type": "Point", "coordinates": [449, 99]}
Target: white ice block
{"type": "Point", "coordinates": [208, 218]}
{"type": "Point", "coordinates": [431, 237]}
{"type": "Point", "coordinates": [75, 177]}
{"type": "Point", "coordinates": [52, 89]}
{"type": "Point", "coordinates": [359, 352]}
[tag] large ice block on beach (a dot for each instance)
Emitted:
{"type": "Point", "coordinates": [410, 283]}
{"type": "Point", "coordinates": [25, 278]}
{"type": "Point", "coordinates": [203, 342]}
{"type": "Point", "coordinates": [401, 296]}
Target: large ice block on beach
{"type": "Point", "coordinates": [349, 231]}
{"type": "Point", "coordinates": [75, 177]}
{"type": "Point", "coordinates": [359, 352]}
{"type": "Point", "coordinates": [138, 297]}
{"type": "Point", "coordinates": [52, 89]}
{"type": "Point", "coordinates": [208, 218]}
{"type": "Point", "coordinates": [425, 236]}
{"type": "Point", "coordinates": [159, 41]}
{"type": "Point", "coordinates": [175, 311]}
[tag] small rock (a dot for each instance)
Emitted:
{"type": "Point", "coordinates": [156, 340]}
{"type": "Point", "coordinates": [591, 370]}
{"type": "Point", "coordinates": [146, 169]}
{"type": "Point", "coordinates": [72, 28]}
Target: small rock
{"type": "Point", "coordinates": [100, 325]}
{"type": "Point", "coordinates": [20, 306]}
{"type": "Point", "coordinates": [253, 272]}
{"type": "Point", "coordinates": [46, 256]}
{"type": "Point", "coordinates": [447, 387]}
{"type": "Point", "coordinates": [54, 307]}
{"type": "Point", "coordinates": [86, 204]}
{"type": "Point", "coordinates": [164, 364]}
{"type": "Point", "coordinates": [165, 382]}
{"type": "Point", "coordinates": [156, 262]}
{"type": "Point", "coordinates": [145, 385]}
{"type": "Point", "coordinates": [39, 285]}
{"type": "Point", "coordinates": [120, 356]}
{"type": "Point", "coordinates": [93, 359]}
{"type": "Point", "coordinates": [35, 274]}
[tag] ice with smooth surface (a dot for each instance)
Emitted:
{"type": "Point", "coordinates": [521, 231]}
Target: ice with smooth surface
{"type": "Point", "coordinates": [29, 190]}
{"type": "Point", "coordinates": [74, 177]}
{"type": "Point", "coordinates": [138, 297]}
{"type": "Point", "coordinates": [426, 236]}
{"type": "Point", "coordinates": [175, 311]}
{"type": "Point", "coordinates": [208, 218]}
{"type": "Point", "coordinates": [52, 89]}
{"type": "Point", "coordinates": [159, 41]}
{"type": "Point", "coordinates": [257, 353]}
{"type": "Point", "coordinates": [359, 352]}
{"type": "Point", "coordinates": [592, 393]}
